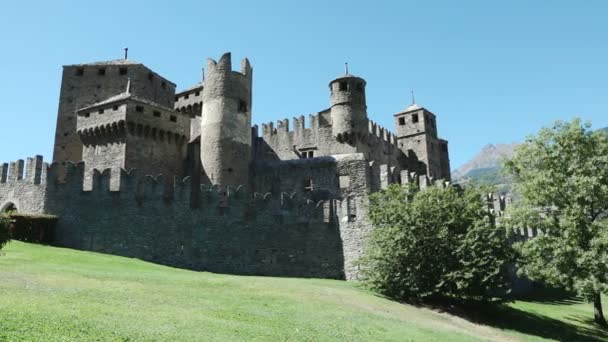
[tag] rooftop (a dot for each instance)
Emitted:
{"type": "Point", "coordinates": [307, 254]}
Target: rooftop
{"type": "Point", "coordinates": [123, 97]}
{"type": "Point", "coordinates": [114, 62]}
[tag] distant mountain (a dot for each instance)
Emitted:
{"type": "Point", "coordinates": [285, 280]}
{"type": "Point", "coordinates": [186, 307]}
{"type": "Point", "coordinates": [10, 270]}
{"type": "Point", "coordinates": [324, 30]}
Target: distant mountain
{"type": "Point", "coordinates": [489, 157]}
{"type": "Point", "coordinates": [485, 167]}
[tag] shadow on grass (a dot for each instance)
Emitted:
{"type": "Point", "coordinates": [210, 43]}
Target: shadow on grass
{"type": "Point", "coordinates": [501, 316]}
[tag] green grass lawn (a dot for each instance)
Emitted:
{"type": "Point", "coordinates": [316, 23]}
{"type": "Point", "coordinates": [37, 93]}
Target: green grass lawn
{"type": "Point", "coordinates": [54, 294]}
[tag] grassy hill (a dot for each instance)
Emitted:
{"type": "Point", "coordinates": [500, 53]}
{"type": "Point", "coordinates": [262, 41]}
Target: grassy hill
{"type": "Point", "coordinates": [55, 294]}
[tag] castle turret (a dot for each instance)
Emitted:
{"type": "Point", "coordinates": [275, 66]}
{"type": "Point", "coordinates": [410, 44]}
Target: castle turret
{"type": "Point", "coordinates": [226, 122]}
{"type": "Point", "coordinates": [416, 130]}
{"type": "Point", "coordinates": [348, 109]}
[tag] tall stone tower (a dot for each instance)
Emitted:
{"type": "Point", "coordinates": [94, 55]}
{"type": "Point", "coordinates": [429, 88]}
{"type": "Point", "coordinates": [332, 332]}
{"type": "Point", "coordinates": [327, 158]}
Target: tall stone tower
{"type": "Point", "coordinates": [226, 122]}
{"type": "Point", "coordinates": [416, 130]}
{"type": "Point", "coordinates": [83, 85]}
{"type": "Point", "coordinates": [348, 109]}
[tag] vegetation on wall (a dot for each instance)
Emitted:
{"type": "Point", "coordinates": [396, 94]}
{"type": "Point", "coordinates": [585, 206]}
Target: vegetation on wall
{"type": "Point", "coordinates": [33, 227]}
{"type": "Point", "coordinates": [562, 177]}
{"type": "Point", "coordinates": [5, 236]}
{"type": "Point", "coordinates": [435, 242]}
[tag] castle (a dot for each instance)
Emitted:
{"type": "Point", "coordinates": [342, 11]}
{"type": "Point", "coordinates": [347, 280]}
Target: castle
{"type": "Point", "coordinates": [185, 180]}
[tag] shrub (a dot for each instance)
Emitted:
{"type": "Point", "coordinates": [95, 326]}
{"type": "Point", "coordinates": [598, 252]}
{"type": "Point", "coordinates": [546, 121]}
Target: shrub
{"type": "Point", "coordinates": [37, 228]}
{"type": "Point", "coordinates": [5, 236]}
{"type": "Point", "coordinates": [435, 242]}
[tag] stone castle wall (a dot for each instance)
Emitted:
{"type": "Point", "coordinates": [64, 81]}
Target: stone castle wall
{"type": "Point", "coordinates": [168, 221]}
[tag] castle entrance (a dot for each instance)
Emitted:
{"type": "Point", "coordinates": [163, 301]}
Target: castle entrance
{"type": "Point", "coordinates": [8, 207]}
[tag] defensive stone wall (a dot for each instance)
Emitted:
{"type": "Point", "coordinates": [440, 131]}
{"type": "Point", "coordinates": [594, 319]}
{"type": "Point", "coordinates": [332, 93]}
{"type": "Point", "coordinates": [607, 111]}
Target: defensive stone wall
{"type": "Point", "coordinates": [316, 232]}
{"type": "Point", "coordinates": [23, 188]}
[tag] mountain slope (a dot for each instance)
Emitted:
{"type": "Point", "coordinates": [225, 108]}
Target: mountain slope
{"type": "Point", "coordinates": [56, 294]}
{"type": "Point", "coordinates": [489, 157]}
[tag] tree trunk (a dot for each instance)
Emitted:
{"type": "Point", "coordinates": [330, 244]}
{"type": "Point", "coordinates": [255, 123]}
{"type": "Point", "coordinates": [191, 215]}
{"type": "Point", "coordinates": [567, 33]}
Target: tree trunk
{"type": "Point", "coordinates": [597, 309]}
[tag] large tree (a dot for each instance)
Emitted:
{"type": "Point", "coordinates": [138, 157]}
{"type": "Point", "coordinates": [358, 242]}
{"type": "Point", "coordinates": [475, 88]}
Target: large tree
{"type": "Point", "coordinates": [561, 175]}
{"type": "Point", "coordinates": [434, 242]}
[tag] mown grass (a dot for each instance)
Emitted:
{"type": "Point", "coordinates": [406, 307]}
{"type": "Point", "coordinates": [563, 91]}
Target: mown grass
{"type": "Point", "coordinates": [54, 294]}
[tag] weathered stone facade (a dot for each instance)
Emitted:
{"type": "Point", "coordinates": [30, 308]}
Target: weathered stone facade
{"type": "Point", "coordinates": [231, 199]}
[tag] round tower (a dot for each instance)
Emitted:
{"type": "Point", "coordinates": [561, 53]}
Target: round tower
{"type": "Point", "coordinates": [226, 122]}
{"type": "Point", "coordinates": [348, 109]}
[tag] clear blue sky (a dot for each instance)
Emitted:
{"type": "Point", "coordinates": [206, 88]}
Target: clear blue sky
{"type": "Point", "coordinates": [492, 71]}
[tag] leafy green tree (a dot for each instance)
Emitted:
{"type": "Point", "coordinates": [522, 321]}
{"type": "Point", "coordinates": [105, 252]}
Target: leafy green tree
{"type": "Point", "coordinates": [434, 242]}
{"type": "Point", "coordinates": [562, 177]}
{"type": "Point", "coordinates": [5, 221]}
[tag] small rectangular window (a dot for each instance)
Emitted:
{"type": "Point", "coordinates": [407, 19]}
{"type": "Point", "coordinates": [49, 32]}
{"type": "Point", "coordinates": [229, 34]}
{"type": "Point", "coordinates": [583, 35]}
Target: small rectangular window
{"type": "Point", "coordinates": [187, 96]}
{"type": "Point", "coordinates": [242, 106]}
{"type": "Point", "coordinates": [173, 118]}
{"type": "Point", "coordinates": [343, 86]}
{"type": "Point", "coordinates": [157, 114]}
{"type": "Point", "coordinates": [139, 109]}
{"type": "Point", "coordinates": [101, 111]}
{"type": "Point", "coordinates": [401, 121]}
{"type": "Point", "coordinates": [86, 115]}
{"type": "Point", "coordinates": [115, 108]}
{"type": "Point", "coordinates": [414, 118]}
{"type": "Point", "coordinates": [150, 77]}
{"type": "Point", "coordinates": [123, 71]}
{"type": "Point", "coordinates": [176, 98]}
{"type": "Point", "coordinates": [344, 182]}
{"type": "Point", "coordinates": [79, 71]}
{"type": "Point", "coordinates": [101, 71]}
{"type": "Point", "coordinates": [197, 93]}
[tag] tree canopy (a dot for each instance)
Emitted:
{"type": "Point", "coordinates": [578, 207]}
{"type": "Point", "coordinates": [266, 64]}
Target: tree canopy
{"type": "Point", "coordinates": [435, 242]}
{"type": "Point", "coordinates": [562, 176]}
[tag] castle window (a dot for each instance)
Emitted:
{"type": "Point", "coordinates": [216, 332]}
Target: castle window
{"type": "Point", "coordinates": [163, 85]}
{"type": "Point", "coordinates": [351, 209]}
{"type": "Point", "coordinates": [187, 96]}
{"type": "Point", "coordinates": [176, 98]}
{"type": "Point", "coordinates": [344, 182]}
{"type": "Point", "coordinates": [307, 153]}
{"type": "Point", "coordinates": [343, 86]}
{"type": "Point", "coordinates": [308, 185]}
{"type": "Point", "coordinates": [173, 118]}
{"type": "Point", "coordinates": [139, 109]}
{"type": "Point", "coordinates": [156, 114]}
{"type": "Point", "coordinates": [150, 77]}
{"type": "Point", "coordinates": [101, 111]}
{"type": "Point", "coordinates": [115, 108]}
{"type": "Point", "coordinates": [414, 118]}
{"type": "Point", "coordinates": [79, 71]}
{"type": "Point", "coordinates": [401, 121]}
{"type": "Point", "coordinates": [197, 93]}
{"type": "Point", "coordinates": [101, 71]}
{"type": "Point", "coordinates": [123, 71]}
{"type": "Point", "coordinates": [86, 115]}
{"type": "Point", "coordinates": [242, 106]}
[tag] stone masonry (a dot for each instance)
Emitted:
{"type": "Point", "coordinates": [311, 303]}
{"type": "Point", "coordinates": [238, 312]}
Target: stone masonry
{"type": "Point", "coordinates": [185, 180]}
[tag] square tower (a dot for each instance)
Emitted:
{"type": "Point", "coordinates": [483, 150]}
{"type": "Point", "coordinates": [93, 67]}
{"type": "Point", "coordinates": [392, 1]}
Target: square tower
{"type": "Point", "coordinates": [129, 132]}
{"type": "Point", "coordinates": [416, 130]}
{"type": "Point", "coordinates": [83, 85]}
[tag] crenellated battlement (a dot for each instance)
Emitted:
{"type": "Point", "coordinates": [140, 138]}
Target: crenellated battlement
{"type": "Point", "coordinates": [382, 133]}
{"type": "Point", "coordinates": [298, 129]}
{"type": "Point", "coordinates": [131, 187]}
{"type": "Point", "coordinates": [19, 171]}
